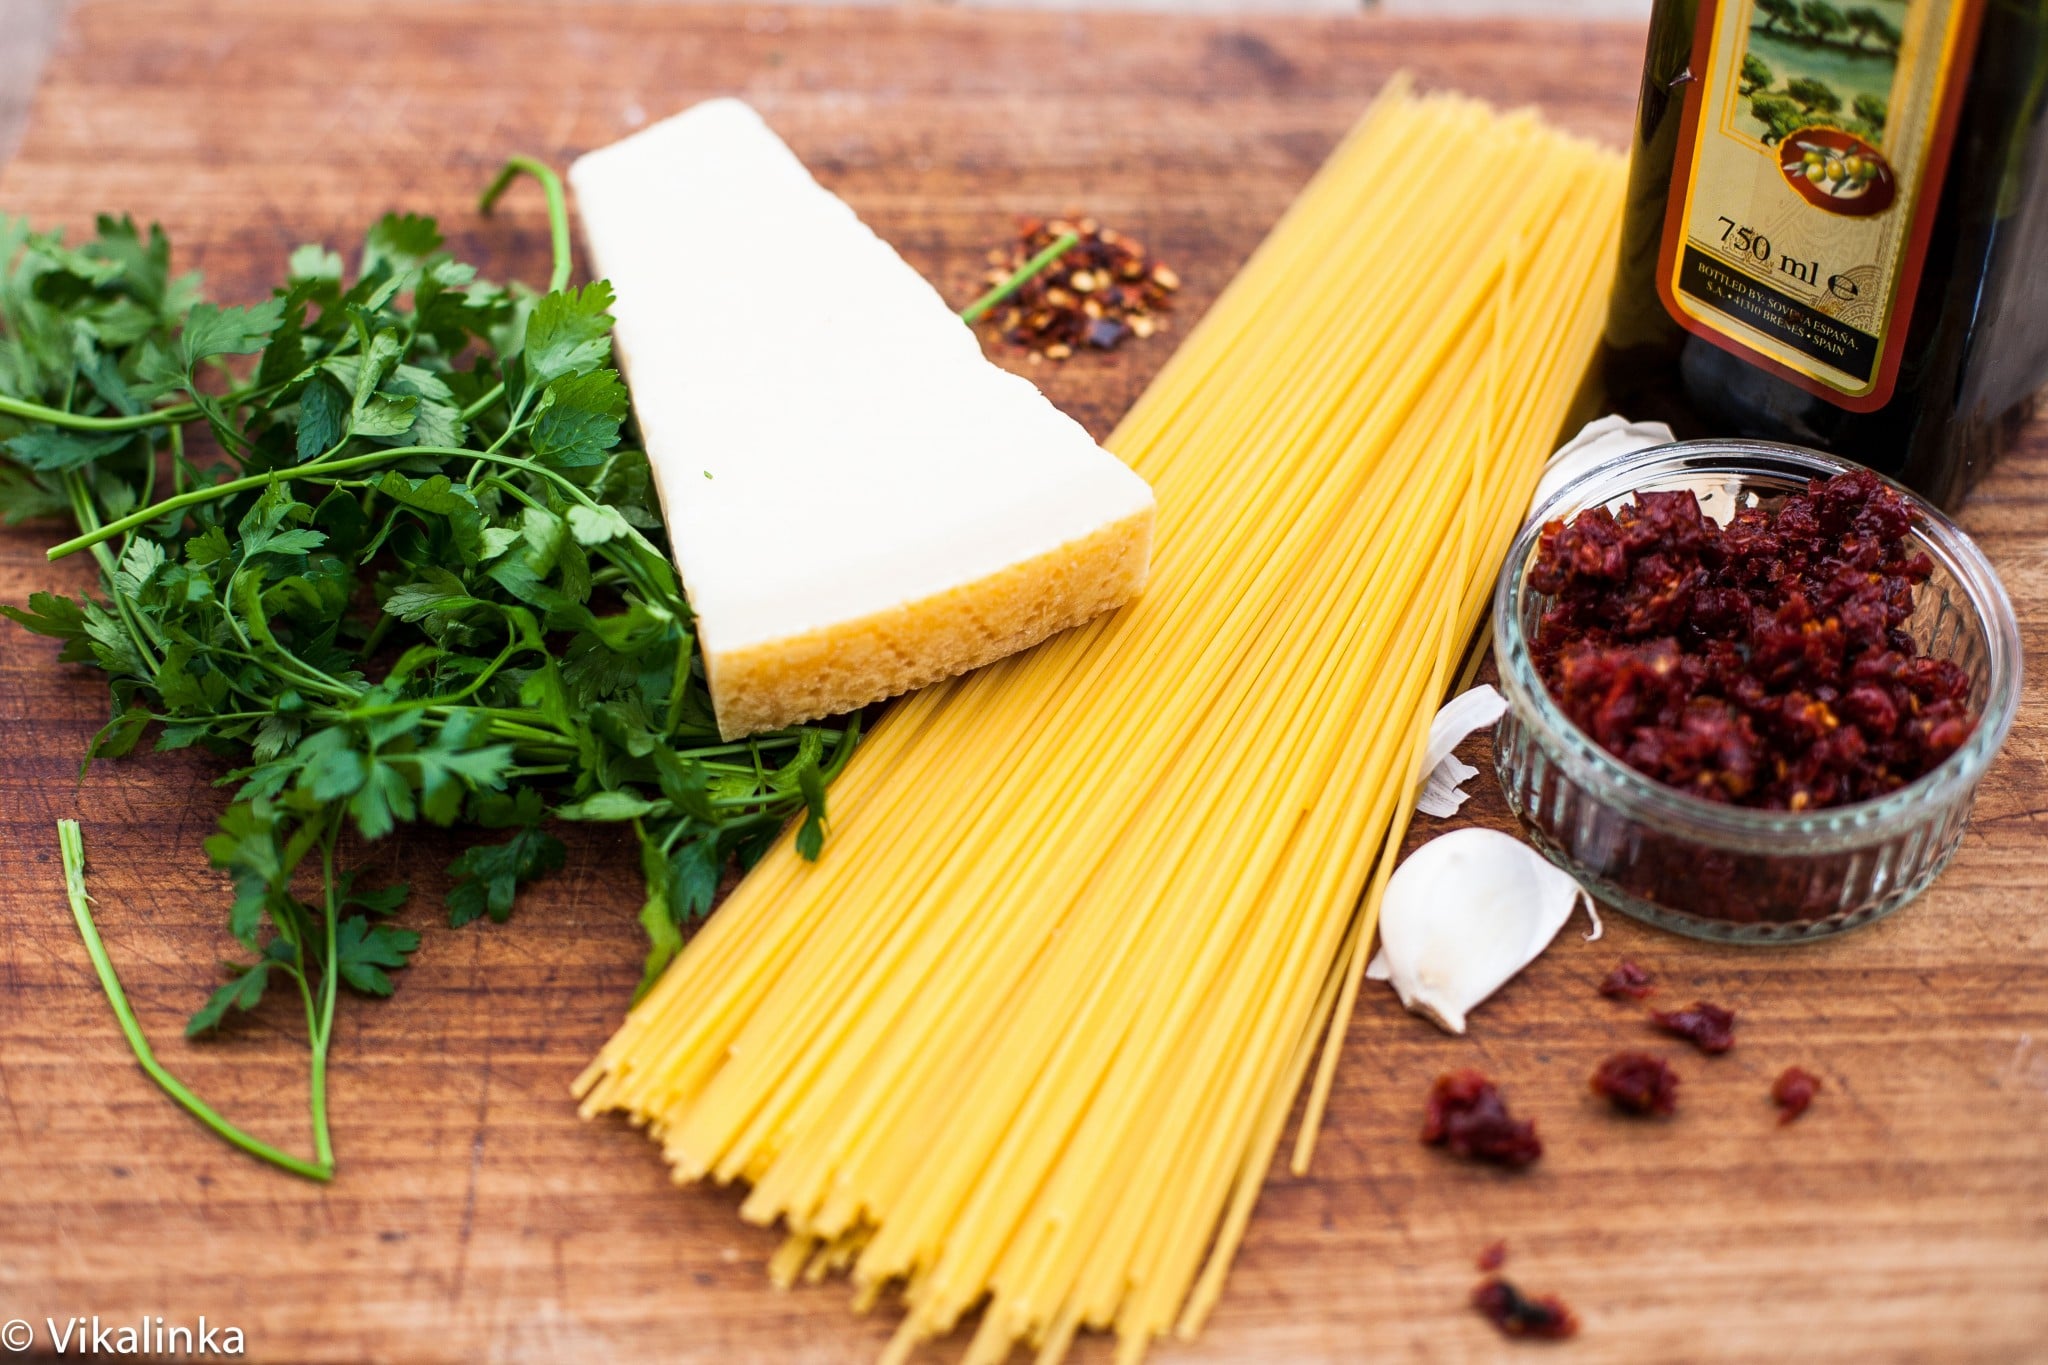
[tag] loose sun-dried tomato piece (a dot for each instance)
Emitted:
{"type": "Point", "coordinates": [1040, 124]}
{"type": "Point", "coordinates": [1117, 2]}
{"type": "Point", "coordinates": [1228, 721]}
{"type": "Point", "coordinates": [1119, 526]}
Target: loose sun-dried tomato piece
{"type": "Point", "coordinates": [1793, 1091]}
{"type": "Point", "coordinates": [1628, 981]}
{"type": "Point", "coordinates": [1467, 1116]}
{"type": "Point", "coordinates": [1637, 1083]}
{"type": "Point", "coordinates": [1707, 1027]}
{"type": "Point", "coordinates": [1494, 1256]}
{"type": "Point", "coordinates": [1519, 1315]}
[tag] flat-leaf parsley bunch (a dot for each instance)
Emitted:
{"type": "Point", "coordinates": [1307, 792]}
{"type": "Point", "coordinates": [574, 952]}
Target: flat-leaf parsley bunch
{"type": "Point", "coordinates": [421, 580]}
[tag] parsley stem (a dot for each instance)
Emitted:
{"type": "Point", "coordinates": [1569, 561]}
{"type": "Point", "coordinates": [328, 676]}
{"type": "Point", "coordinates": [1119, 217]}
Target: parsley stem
{"type": "Point", "coordinates": [530, 735]}
{"type": "Point", "coordinates": [679, 681]}
{"type": "Point", "coordinates": [975, 311]}
{"type": "Point", "coordinates": [173, 416]}
{"type": "Point", "coordinates": [178, 465]}
{"type": "Point", "coordinates": [71, 846]}
{"type": "Point", "coordinates": [558, 239]}
{"type": "Point", "coordinates": [558, 208]}
{"type": "Point", "coordinates": [849, 740]}
{"type": "Point", "coordinates": [139, 630]}
{"type": "Point", "coordinates": [316, 1089]}
{"type": "Point", "coordinates": [318, 471]}
{"type": "Point", "coordinates": [376, 635]}
{"type": "Point", "coordinates": [76, 421]}
{"type": "Point", "coordinates": [446, 701]}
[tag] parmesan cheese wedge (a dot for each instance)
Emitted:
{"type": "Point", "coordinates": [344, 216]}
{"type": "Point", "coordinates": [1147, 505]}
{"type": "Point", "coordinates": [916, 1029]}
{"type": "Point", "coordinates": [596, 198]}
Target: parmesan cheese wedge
{"type": "Point", "coordinates": [860, 502]}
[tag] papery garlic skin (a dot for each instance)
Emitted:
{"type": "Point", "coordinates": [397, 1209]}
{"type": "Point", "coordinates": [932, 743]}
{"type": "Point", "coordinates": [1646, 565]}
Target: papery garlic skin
{"type": "Point", "coordinates": [1600, 440]}
{"type": "Point", "coordinates": [1610, 438]}
{"type": "Point", "coordinates": [1442, 789]}
{"type": "Point", "coordinates": [1464, 914]}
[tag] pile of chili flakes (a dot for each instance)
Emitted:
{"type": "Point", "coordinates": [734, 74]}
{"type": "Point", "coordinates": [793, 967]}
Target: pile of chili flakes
{"type": "Point", "coordinates": [1103, 290]}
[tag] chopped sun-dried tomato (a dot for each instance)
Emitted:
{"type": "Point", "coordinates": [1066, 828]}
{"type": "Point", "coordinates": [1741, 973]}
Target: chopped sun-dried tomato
{"type": "Point", "coordinates": [1761, 663]}
{"type": "Point", "coordinates": [1627, 980]}
{"type": "Point", "coordinates": [1520, 1315]}
{"type": "Point", "coordinates": [1793, 1091]}
{"type": "Point", "coordinates": [1637, 1083]}
{"type": "Point", "coordinates": [1494, 1256]}
{"type": "Point", "coordinates": [1707, 1027]}
{"type": "Point", "coordinates": [1467, 1116]}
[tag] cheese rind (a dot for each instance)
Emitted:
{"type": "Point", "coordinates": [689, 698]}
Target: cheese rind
{"type": "Point", "coordinates": [917, 643]}
{"type": "Point", "coordinates": [860, 503]}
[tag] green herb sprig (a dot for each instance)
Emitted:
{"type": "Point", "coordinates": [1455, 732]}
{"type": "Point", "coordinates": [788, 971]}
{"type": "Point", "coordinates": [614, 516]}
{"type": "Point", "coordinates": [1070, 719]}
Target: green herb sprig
{"type": "Point", "coordinates": [421, 580]}
{"type": "Point", "coordinates": [1060, 246]}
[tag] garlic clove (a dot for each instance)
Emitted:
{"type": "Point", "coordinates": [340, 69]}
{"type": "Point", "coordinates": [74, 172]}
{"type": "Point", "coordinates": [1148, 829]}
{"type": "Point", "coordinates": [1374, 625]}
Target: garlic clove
{"type": "Point", "coordinates": [1464, 914]}
{"type": "Point", "coordinates": [1603, 439]}
{"type": "Point", "coordinates": [1471, 710]}
{"type": "Point", "coordinates": [1610, 438]}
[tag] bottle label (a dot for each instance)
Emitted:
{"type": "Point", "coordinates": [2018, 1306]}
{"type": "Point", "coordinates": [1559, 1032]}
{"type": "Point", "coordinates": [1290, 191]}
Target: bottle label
{"type": "Point", "coordinates": [1808, 169]}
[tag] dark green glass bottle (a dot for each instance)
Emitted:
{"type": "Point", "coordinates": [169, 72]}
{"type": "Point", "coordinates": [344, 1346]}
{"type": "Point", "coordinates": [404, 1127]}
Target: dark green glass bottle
{"type": "Point", "coordinates": [1887, 232]}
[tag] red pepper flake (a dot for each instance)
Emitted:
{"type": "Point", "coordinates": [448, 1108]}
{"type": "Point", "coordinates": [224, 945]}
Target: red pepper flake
{"type": "Point", "coordinates": [1637, 1083]}
{"type": "Point", "coordinates": [1467, 1115]}
{"type": "Point", "coordinates": [1707, 1027]}
{"type": "Point", "coordinates": [1793, 1091]}
{"type": "Point", "coordinates": [1762, 663]}
{"type": "Point", "coordinates": [1519, 1315]}
{"type": "Point", "coordinates": [1101, 291]}
{"type": "Point", "coordinates": [1627, 981]}
{"type": "Point", "coordinates": [1494, 1257]}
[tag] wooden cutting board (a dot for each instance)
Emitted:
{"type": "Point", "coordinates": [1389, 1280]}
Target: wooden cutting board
{"type": "Point", "coordinates": [475, 1217]}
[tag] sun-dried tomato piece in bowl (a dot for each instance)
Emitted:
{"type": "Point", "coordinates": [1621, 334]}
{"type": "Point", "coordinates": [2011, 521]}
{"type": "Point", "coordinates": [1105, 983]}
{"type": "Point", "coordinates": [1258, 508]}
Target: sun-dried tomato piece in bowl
{"type": "Point", "coordinates": [1763, 662]}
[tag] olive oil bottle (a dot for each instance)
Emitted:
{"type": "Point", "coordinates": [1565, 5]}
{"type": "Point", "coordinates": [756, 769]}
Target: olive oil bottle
{"type": "Point", "coordinates": [1837, 229]}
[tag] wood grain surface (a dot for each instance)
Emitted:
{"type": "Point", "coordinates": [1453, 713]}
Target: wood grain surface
{"type": "Point", "coordinates": [475, 1217]}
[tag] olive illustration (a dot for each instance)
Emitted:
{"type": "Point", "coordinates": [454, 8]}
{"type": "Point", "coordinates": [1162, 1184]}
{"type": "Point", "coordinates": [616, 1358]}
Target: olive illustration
{"type": "Point", "coordinates": [1836, 171]}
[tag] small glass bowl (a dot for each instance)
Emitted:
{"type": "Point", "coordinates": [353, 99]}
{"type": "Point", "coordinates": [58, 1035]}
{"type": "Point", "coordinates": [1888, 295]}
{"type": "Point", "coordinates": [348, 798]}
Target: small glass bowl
{"type": "Point", "coordinates": [1734, 873]}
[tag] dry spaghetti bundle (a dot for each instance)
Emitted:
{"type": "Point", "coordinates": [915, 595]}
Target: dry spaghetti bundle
{"type": "Point", "coordinates": [1025, 1038]}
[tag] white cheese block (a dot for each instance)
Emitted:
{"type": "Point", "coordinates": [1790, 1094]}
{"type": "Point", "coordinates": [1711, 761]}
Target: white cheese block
{"type": "Point", "coordinates": [860, 502]}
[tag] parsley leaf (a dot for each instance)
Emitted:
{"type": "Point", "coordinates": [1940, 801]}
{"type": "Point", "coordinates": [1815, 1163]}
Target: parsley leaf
{"type": "Point", "coordinates": [47, 449]}
{"type": "Point", "coordinates": [570, 332]}
{"type": "Point", "coordinates": [366, 949]}
{"type": "Point", "coordinates": [245, 993]}
{"type": "Point", "coordinates": [49, 613]}
{"type": "Point", "coordinates": [578, 419]}
{"type": "Point", "coordinates": [488, 875]}
{"type": "Point", "coordinates": [211, 331]}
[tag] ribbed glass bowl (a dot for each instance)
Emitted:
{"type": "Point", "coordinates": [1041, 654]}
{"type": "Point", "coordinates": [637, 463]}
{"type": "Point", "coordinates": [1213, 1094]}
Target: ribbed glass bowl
{"type": "Point", "coordinates": [1734, 873]}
